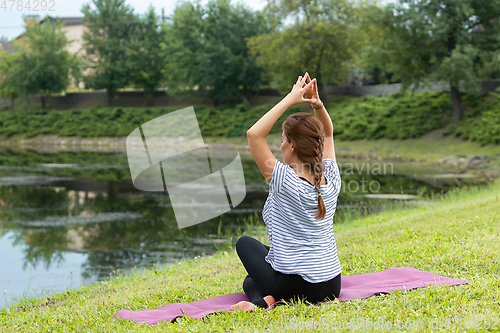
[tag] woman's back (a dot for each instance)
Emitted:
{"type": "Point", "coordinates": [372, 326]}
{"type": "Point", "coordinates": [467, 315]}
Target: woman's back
{"type": "Point", "coordinates": [302, 260]}
{"type": "Point", "coordinates": [300, 244]}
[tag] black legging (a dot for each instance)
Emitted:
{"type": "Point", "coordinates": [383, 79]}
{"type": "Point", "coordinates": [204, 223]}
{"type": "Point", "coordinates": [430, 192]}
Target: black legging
{"type": "Point", "coordinates": [262, 280]}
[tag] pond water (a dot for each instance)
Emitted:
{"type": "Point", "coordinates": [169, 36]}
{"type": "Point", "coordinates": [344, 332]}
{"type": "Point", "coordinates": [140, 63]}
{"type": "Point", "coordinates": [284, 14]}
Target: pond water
{"type": "Point", "coordinates": [69, 218]}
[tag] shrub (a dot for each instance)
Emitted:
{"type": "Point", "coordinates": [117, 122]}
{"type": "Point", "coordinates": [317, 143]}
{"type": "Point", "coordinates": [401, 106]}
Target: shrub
{"type": "Point", "coordinates": [398, 116]}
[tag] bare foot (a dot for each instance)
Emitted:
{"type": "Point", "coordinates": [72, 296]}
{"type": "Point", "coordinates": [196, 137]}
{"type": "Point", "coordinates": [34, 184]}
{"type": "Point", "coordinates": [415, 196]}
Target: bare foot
{"type": "Point", "coordinates": [269, 300]}
{"type": "Point", "coordinates": [243, 306]}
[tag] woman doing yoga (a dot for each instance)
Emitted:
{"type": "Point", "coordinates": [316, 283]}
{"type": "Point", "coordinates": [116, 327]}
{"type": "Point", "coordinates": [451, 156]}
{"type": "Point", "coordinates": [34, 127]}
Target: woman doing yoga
{"type": "Point", "coordinates": [302, 260]}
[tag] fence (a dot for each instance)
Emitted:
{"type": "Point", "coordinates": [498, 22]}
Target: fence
{"type": "Point", "coordinates": [387, 89]}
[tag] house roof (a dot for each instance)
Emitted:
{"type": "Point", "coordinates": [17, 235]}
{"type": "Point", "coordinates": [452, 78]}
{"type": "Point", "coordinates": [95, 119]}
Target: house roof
{"type": "Point", "coordinates": [66, 20]}
{"type": "Point", "coordinates": [8, 47]}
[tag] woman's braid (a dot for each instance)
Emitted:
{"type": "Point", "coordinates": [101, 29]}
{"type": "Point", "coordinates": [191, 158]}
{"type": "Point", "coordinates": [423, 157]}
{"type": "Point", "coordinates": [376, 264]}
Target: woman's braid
{"type": "Point", "coordinates": [318, 164]}
{"type": "Point", "coordinates": [308, 136]}
{"type": "Point", "coordinates": [319, 168]}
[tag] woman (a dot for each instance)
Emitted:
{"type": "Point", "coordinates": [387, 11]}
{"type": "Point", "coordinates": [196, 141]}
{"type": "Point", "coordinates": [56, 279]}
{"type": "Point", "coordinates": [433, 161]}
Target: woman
{"type": "Point", "coordinates": [302, 260]}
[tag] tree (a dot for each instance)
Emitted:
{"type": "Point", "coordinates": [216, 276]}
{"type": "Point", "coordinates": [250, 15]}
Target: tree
{"type": "Point", "coordinates": [110, 26]}
{"type": "Point", "coordinates": [438, 40]}
{"type": "Point", "coordinates": [323, 41]}
{"type": "Point", "coordinates": [208, 48]}
{"type": "Point", "coordinates": [226, 66]}
{"type": "Point", "coordinates": [371, 56]}
{"type": "Point", "coordinates": [8, 87]}
{"type": "Point", "coordinates": [182, 44]}
{"type": "Point", "coordinates": [41, 65]}
{"type": "Point", "coordinates": [9, 84]}
{"type": "Point", "coordinates": [144, 57]}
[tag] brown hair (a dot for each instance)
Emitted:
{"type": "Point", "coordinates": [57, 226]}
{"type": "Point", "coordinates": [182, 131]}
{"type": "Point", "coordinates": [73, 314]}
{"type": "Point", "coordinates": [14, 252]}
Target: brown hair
{"type": "Point", "coordinates": [307, 134]}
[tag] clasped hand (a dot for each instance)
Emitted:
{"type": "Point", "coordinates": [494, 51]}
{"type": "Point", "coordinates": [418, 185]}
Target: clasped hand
{"type": "Point", "coordinates": [296, 96]}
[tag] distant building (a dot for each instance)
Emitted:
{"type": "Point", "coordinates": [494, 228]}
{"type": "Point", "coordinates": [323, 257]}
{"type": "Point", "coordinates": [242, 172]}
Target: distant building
{"type": "Point", "coordinates": [73, 27]}
{"type": "Point", "coordinates": [8, 46]}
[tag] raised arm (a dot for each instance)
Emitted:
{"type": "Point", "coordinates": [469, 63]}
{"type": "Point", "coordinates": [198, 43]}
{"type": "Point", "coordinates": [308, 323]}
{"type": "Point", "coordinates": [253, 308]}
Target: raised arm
{"type": "Point", "coordinates": [257, 134]}
{"type": "Point", "coordinates": [321, 113]}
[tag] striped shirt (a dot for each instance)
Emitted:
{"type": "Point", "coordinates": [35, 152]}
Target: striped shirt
{"type": "Point", "coordinates": [300, 244]}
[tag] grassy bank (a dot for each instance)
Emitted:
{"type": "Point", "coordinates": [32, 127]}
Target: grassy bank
{"type": "Point", "coordinates": [457, 237]}
{"type": "Point", "coordinates": [397, 117]}
{"type": "Point", "coordinates": [411, 115]}
{"type": "Point", "coordinates": [432, 148]}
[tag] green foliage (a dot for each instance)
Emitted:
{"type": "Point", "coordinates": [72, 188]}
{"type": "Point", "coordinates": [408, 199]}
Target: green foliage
{"type": "Point", "coordinates": [182, 44]}
{"type": "Point", "coordinates": [398, 116]}
{"type": "Point", "coordinates": [482, 124]}
{"type": "Point", "coordinates": [321, 41]}
{"type": "Point", "coordinates": [41, 64]}
{"type": "Point", "coordinates": [110, 26]}
{"type": "Point", "coordinates": [207, 48]}
{"type": "Point", "coordinates": [144, 57]}
{"type": "Point", "coordinates": [10, 87]}
{"type": "Point", "coordinates": [120, 121]}
{"type": "Point", "coordinates": [436, 41]}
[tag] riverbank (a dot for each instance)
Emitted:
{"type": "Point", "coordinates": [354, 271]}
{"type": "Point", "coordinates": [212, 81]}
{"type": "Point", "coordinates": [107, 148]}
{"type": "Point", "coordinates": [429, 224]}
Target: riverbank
{"type": "Point", "coordinates": [456, 236]}
{"type": "Point", "coordinates": [433, 148]}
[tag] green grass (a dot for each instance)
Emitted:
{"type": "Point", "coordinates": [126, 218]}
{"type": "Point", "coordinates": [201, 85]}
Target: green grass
{"type": "Point", "coordinates": [429, 149]}
{"type": "Point", "coordinates": [432, 147]}
{"type": "Point", "coordinates": [457, 236]}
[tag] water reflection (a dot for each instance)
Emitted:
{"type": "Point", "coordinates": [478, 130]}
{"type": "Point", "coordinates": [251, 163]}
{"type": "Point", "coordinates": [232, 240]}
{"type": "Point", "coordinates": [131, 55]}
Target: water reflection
{"type": "Point", "coordinates": [85, 203]}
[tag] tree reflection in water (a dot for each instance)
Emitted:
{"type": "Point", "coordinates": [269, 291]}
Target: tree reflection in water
{"type": "Point", "coordinates": [116, 230]}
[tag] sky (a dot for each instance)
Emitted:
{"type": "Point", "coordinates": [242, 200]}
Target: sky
{"type": "Point", "coordinates": [11, 19]}
{"type": "Point", "coordinates": [11, 14]}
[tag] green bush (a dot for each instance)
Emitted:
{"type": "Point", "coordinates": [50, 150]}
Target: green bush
{"type": "Point", "coordinates": [482, 122]}
{"type": "Point", "coordinates": [398, 116]}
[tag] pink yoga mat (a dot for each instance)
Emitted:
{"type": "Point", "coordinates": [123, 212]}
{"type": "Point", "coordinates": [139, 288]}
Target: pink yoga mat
{"type": "Point", "coordinates": [353, 286]}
